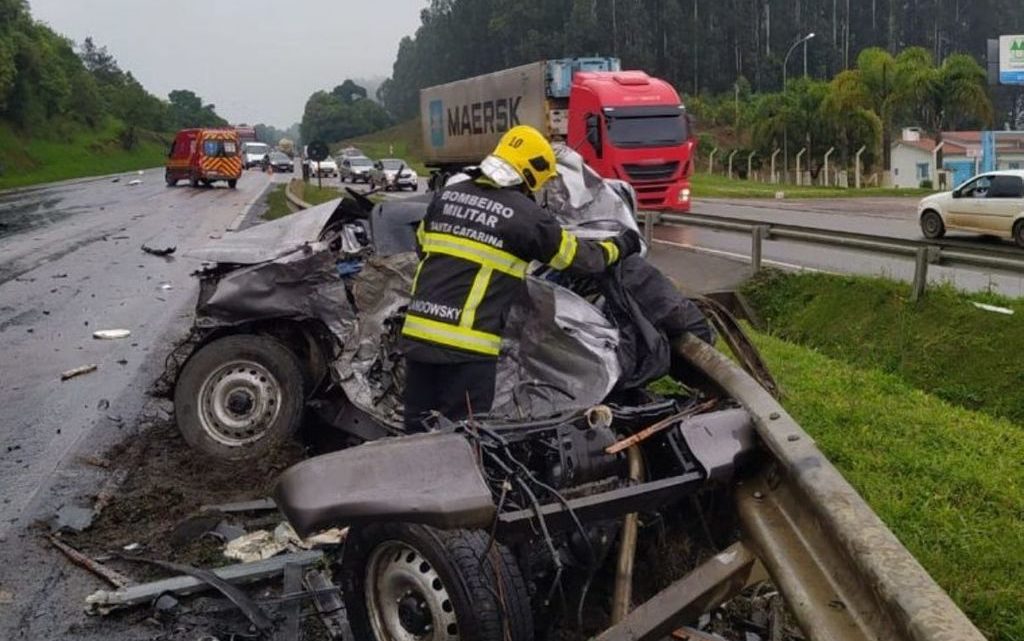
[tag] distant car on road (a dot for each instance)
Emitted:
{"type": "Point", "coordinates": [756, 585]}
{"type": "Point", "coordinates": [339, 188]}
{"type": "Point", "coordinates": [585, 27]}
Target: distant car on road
{"type": "Point", "coordinates": [355, 169]}
{"type": "Point", "coordinates": [991, 203]}
{"type": "Point", "coordinates": [393, 173]}
{"type": "Point", "coordinates": [325, 167]}
{"type": "Point", "coordinates": [351, 152]}
{"type": "Point", "coordinates": [281, 163]}
{"type": "Point", "coordinates": [253, 154]}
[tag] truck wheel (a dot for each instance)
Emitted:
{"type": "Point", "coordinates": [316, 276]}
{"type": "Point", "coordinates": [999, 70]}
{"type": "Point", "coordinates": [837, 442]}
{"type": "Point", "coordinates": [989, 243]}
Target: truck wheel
{"type": "Point", "coordinates": [193, 180]}
{"type": "Point", "coordinates": [403, 581]}
{"type": "Point", "coordinates": [232, 184]}
{"type": "Point", "coordinates": [239, 397]}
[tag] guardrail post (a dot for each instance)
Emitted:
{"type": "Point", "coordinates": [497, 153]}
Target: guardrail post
{"type": "Point", "coordinates": [920, 274]}
{"type": "Point", "coordinates": [750, 165]}
{"type": "Point", "coordinates": [648, 227]}
{"type": "Point", "coordinates": [757, 235]}
{"type": "Point", "coordinates": [799, 176]}
{"type": "Point", "coordinates": [711, 160]}
{"type": "Point", "coordinates": [856, 170]}
{"type": "Point", "coordinates": [827, 154]}
{"type": "Point", "coordinates": [775, 153]}
{"type": "Point", "coordinates": [730, 161]}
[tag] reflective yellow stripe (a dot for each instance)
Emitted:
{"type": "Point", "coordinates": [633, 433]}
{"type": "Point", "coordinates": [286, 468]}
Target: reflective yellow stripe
{"type": "Point", "coordinates": [474, 252]}
{"type": "Point", "coordinates": [419, 233]}
{"type": "Point", "coordinates": [451, 335]}
{"type": "Point", "coordinates": [611, 249]}
{"type": "Point", "coordinates": [476, 294]}
{"type": "Point", "coordinates": [416, 276]}
{"type": "Point", "coordinates": [566, 251]}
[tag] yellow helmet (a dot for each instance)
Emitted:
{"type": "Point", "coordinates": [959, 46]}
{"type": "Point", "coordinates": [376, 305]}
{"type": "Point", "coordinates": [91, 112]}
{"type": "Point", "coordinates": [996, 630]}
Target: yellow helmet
{"type": "Point", "coordinates": [523, 155]}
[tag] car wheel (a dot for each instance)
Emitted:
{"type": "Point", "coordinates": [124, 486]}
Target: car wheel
{"type": "Point", "coordinates": [239, 397]}
{"type": "Point", "coordinates": [416, 186]}
{"type": "Point", "coordinates": [193, 180]}
{"type": "Point", "coordinates": [1018, 233]}
{"type": "Point", "coordinates": [232, 184]}
{"type": "Point", "coordinates": [170, 179]}
{"type": "Point", "coordinates": [931, 225]}
{"type": "Point", "coordinates": [403, 581]}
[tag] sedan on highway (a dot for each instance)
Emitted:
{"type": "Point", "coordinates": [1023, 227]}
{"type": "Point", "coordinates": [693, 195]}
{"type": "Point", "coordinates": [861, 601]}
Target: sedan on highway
{"type": "Point", "coordinates": [325, 167]}
{"type": "Point", "coordinates": [393, 173]}
{"type": "Point", "coordinates": [355, 169]}
{"type": "Point", "coordinates": [991, 203]}
{"type": "Point", "coordinates": [281, 163]}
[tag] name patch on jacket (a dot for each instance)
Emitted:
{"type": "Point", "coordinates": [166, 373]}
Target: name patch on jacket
{"type": "Point", "coordinates": [436, 310]}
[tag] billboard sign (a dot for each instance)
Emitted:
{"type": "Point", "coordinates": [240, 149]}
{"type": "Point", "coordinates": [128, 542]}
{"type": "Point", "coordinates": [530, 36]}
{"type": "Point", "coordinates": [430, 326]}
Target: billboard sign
{"type": "Point", "coordinates": [1011, 60]}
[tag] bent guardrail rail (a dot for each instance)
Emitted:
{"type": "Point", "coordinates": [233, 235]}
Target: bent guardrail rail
{"type": "Point", "coordinates": [924, 252]}
{"type": "Point", "coordinates": [293, 198]}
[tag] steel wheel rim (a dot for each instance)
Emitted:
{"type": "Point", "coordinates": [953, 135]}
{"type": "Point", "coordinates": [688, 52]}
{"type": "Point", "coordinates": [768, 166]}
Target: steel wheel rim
{"type": "Point", "coordinates": [238, 402]}
{"type": "Point", "coordinates": [932, 223]}
{"type": "Point", "coordinates": [405, 597]}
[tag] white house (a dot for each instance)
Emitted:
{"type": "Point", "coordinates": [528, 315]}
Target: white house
{"type": "Point", "coordinates": [913, 156]}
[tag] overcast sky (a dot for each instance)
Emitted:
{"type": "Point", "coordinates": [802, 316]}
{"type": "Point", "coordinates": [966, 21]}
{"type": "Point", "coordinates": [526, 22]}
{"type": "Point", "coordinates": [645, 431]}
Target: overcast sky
{"type": "Point", "coordinates": [257, 60]}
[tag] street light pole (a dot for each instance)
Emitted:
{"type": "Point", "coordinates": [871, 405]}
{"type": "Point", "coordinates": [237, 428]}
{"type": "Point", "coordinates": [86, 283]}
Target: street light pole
{"type": "Point", "coordinates": [785, 127]}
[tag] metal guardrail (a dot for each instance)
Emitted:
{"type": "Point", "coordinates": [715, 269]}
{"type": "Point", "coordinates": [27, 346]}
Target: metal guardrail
{"type": "Point", "coordinates": [293, 199]}
{"type": "Point", "coordinates": [923, 252]}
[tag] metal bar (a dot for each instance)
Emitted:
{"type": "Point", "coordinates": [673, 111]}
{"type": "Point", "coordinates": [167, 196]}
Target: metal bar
{"type": "Point", "coordinates": [289, 630]}
{"type": "Point", "coordinates": [757, 236]}
{"type": "Point", "coordinates": [329, 605]}
{"type": "Point", "coordinates": [185, 585]}
{"type": "Point", "coordinates": [710, 584]}
{"type": "Point", "coordinates": [835, 535]}
{"type": "Point", "coordinates": [603, 505]}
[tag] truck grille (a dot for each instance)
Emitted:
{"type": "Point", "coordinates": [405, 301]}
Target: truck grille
{"type": "Point", "coordinates": [663, 171]}
{"type": "Point", "coordinates": [651, 195]}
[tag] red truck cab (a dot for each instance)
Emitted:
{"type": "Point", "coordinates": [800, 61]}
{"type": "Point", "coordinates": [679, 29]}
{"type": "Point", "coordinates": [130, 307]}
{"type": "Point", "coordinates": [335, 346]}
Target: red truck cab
{"type": "Point", "coordinates": [631, 126]}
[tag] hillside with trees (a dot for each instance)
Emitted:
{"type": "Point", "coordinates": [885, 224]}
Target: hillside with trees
{"type": "Point", "coordinates": [56, 98]}
{"type": "Point", "coordinates": [343, 112]}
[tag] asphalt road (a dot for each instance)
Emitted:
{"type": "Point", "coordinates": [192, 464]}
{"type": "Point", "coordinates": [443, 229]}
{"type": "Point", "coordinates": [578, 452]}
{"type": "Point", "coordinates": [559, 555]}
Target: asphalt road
{"type": "Point", "coordinates": [891, 217]}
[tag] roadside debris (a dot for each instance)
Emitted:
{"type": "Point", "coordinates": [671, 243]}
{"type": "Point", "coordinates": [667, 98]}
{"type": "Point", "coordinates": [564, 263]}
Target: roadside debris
{"type": "Point", "coordinates": [111, 334]}
{"type": "Point", "coordinates": [132, 183]}
{"type": "Point", "coordinates": [993, 308]}
{"type": "Point", "coordinates": [72, 518]}
{"type": "Point", "coordinates": [78, 371]}
{"type": "Point", "coordinates": [328, 602]}
{"type": "Point", "coordinates": [115, 179]}
{"type": "Point", "coordinates": [113, 577]}
{"type": "Point", "coordinates": [241, 506]}
{"type": "Point", "coordinates": [104, 601]}
{"type": "Point", "coordinates": [263, 544]}
{"type": "Point", "coordinates": [159, 251]}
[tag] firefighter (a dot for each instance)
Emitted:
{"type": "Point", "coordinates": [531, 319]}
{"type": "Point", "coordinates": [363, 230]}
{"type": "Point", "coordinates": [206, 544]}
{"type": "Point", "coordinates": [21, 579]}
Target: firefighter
{"type": "Point", "coordinates": [476, 241]}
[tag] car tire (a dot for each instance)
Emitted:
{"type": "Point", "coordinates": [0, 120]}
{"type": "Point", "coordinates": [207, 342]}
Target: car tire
{"type": "Point", "coordinates": [401, 577]}
{"type": "Point", "coordinates": [416, 187]}
{"type": "Point", "coordinates": [170, 179]}
{"type": "Point", "coordinates": [240, 397]}
{"type": "Point", "coordinates": [193, 180]}
{"type": "Point", "coordinates": [232, 184]}
{"type": "Point", "coordinates": [931, 225]}
{"type": "Point", "coordinates": [1018, 233]}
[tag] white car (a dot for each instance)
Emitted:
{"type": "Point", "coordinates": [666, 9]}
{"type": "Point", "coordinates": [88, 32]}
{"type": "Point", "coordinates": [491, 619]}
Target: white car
{"type": "Point", "coordinates": [325, 167]}
{"type": "Point", "coordinates": [991, 203]}
{"type": "Point", "coordinates": [393, 173]}
{"type": "Point", "coordinates": [253, 154]}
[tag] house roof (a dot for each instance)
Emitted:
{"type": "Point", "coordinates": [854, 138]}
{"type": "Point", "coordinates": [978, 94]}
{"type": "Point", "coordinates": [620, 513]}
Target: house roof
{"type": "Point", "coordinates": [958, 142]}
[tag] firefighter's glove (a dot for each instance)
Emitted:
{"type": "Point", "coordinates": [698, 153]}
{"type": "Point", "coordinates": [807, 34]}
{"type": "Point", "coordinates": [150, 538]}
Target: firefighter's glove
{"type": "Point", "coordinates": [628, 243]}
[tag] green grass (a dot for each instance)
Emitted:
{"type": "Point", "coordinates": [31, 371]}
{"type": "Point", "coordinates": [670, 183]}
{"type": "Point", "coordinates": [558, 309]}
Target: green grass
{"type": "Point", "coordinates": [74, 152]}
{"type": "Point", "coordinates": [277, 204]}
{"type": "Point", "coordinates": [403, 141]}
{"type": "Point", "coordinates": [315, 195]}
{"type": "Point", "coordinates": [711, 186]}
{"type": "Point", "coordinates": [941, 344]}
{"type": "Point", "coordinates": [946, 480]}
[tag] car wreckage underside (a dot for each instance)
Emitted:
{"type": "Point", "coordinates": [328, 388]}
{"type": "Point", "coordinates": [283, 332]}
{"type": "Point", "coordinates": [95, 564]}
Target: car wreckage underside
{"type": "Point", "coordinates": [498, 526]}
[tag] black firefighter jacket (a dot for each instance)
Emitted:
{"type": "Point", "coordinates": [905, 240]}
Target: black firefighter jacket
{"type": "Point", "coordinates": [476, 242]}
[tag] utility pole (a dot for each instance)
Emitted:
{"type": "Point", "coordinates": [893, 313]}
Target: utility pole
{"type": "Point", "coordinates": [694, 39]}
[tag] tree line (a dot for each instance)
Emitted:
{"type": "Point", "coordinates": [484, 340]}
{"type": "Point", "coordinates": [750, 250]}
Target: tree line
{"type": "Point", "coordinates": [48, 84]}
{"type": "Point", "coordinates": [341, 113]}
{"type": "Point", "coordinates": [703, 47]}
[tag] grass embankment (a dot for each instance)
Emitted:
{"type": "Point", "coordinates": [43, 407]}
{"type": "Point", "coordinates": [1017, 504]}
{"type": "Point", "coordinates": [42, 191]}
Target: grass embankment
{"type": "Point", "coordinates": [277, 202]}
{"type": "Point", "coordinates": [942, 344]}
{"type": "Point", "coordinates": [711, 186]}
{"type": "Point", "coordinates": [946, 480]}
{"type": "Point", "coordinates": [403, 141]}
{"type": "Point", "coordinates": [73, 152]}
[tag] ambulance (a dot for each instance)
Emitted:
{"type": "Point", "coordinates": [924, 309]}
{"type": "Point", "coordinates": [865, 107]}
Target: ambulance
{"type": "Point", "coordinates": [203, 156]}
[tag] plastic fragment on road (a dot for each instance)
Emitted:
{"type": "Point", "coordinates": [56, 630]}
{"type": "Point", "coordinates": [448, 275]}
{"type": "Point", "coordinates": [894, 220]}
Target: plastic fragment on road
{"type": "Point", "coordinates": [111, 334]}
{"type": "Point", "coordinates": [132, 183]}
{"type": "Point", "coordinates": [993, 308]}
{"type": "Point", "coordinates": [159, 251]}
{"type": "Point", "coordinates": [78, 371]}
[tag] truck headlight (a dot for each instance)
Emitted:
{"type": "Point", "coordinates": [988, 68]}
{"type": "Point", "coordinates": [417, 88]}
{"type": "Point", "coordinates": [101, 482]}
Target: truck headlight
{"type": "Point", "coordinates": [684, 194]}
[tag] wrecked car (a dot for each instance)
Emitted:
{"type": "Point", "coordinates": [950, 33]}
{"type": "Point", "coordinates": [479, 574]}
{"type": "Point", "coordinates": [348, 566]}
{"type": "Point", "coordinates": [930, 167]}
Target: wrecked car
{"type": "Point", "coordinates": [490, 528]}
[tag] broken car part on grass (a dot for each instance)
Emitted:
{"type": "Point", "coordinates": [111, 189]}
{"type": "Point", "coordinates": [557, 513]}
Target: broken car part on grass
{"type": "Point", "coordinates": [496, 527]}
